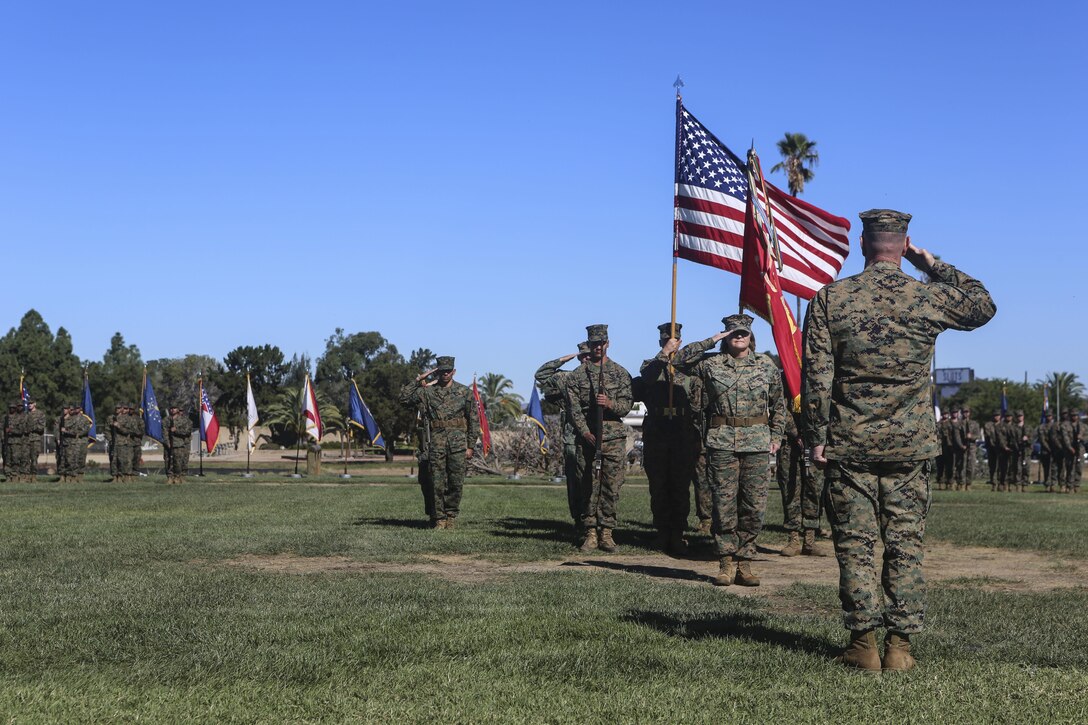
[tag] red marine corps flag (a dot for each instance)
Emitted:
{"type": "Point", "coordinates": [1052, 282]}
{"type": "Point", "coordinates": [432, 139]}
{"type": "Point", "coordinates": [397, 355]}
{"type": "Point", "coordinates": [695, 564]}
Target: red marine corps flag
{"type": "Point", "coordinates": [761, 287]}
{"type": "Point", "coordinates": [485, 427]}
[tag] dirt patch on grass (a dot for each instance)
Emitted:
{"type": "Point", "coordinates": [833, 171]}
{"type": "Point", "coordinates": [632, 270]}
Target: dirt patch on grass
{"type": "Point", "coordinates": [960, 566]}
{"type": "Point", "coordinates": [453, 568]}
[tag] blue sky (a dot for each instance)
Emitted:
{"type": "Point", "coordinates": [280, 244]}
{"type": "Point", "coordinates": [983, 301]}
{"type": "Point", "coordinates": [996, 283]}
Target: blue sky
{"type": "Point", "coordinates": [485, 179]}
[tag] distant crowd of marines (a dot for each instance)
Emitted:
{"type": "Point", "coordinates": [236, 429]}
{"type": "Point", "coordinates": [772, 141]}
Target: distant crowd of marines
{"type": "Point", "coordinates": [1010, 443]}
{"type": "Point", "coordinates": [24, 425]}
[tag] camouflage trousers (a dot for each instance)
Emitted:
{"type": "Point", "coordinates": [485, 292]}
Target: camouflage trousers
{"type": "Point", "coordinates": [447, 467]}
{"type": "Point", "coordinates": [704, 499]}
{"type": "Point", "coordinates": [992, 456]}
{"type": "Point", "coordinates": [799, 488]}
{"type": "Point", "coordinates": [969, 461]}
{"type": "Point", "coordinates": [886, 501]}
{"type": "Point", "coordinates": [1063, 467]}
{"type": "Point", "coordinates": [121, 465]}
{"type": "Point", "coordinates": [959, 461]}
{"type": "Point", "coordinates": [599, 497]}
{"type": "Point", "coordinates": [178, 461]}
{"type": "Point", "coordinates": [426, 486]}
{"type": "Point", "coordinates": [738, 485]}
{"type": "Point", "coordinates": [572, 471]}
{"type": "Point", "coordinates": [669, 454]}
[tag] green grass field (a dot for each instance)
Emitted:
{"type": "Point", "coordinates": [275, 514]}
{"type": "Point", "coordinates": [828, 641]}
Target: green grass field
{"type": "Point", "coordinates": [147, 602]}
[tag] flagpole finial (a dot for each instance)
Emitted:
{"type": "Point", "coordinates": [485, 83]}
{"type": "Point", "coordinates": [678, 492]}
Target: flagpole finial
{"type": "Point", "coordinates": [678, 84]}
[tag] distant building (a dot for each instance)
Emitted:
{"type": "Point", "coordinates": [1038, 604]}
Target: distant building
{"type": "Point", "coordinates": [949, 380]}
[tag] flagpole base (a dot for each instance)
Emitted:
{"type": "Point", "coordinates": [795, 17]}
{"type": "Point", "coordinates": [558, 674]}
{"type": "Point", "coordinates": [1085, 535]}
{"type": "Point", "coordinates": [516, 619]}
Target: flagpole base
{"type": "Point", "coordinates": [557, 479]}
{"type": "Point", "coordinates": [247, 475]}
{"type": "Point", "coordinates": [514, 477]}
{"type": "Point", "coordinates": [294, 475]}
{"type": "Point", "coordinates": [345, 475]}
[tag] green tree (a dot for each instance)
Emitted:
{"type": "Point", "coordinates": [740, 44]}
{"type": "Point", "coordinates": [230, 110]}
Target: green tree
{"type": "Point", "coordinates": [1065, 390]}
{"type": "Point", "coordinates": [267, 371]}
{"type": "Point", "coordinates": [53, 374]}
{"type": "Point", "coordinates": [283, 415]}
{"type": "Point", "coordinates": [502, 405]}
{"type": "Point", "coordinates": [117, 378]}
{"type": "Point", "coordinates": [799, 155]}
{"type": "Point", "coordinates": [380, 371]}
{"type": "Point", "coordinates": [983, 397]}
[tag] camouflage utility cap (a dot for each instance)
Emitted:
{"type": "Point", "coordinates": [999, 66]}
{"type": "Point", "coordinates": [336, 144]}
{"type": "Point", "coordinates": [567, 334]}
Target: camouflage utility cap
{"type": "Point", "coordinates": [884, 220]}
{"type": "Point", "coordinates": [583, 348]}
{"type": "Point", "coordinates": [665, 329]}
{"type": "Point", "coordinates": [445, 362]}
{"type": "Point", "coordinates": [596, 333]}
{"type": "Point", "coordinates": [737, 323]}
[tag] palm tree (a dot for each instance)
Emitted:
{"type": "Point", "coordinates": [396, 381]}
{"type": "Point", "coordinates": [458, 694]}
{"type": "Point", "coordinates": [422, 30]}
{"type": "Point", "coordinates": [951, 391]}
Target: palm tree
{"type": "Point", "coordinates": [501, 406]}
{"type": "Point", "coordinates": [282, 415]}
{"type": "Point", "coordinates": [799, 155]}
{"type": "Point", "coordinates": [1065, 390]}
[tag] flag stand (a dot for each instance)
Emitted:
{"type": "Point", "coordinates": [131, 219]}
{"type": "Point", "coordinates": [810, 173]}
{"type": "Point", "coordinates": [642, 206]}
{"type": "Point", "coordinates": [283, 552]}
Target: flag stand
{"type": "Point", "coordinates": [347, 433]}
{"type": "Point", "coordinates": [298, 441]}
{"type": "Point", "coordinates": [203, 434]}
{"type": "Point", "coordinates": [250, 439]}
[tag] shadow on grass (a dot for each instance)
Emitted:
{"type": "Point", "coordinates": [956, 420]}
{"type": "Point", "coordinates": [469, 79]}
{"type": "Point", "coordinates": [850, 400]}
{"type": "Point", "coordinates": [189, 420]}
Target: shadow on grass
{"type": "Point", "coordinates": [660, 572]}
{"type": "Point", "coordinates": [393, 523]}
{"type": "Point", "coordinates": [752, 627]}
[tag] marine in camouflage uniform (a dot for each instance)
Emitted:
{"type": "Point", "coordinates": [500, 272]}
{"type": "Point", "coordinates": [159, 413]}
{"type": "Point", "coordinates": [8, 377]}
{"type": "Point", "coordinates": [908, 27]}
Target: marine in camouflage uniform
{"type": "Point", "coordinates": [177, 440]}
{"type": "Point", "coordinates": [745, 416]}
{"type": "Point", "coordinates": [1054, 431]}
{"type": "Point", "coordinates": [127, 430]}
{"type": "Point", "coordinates": [989, 433]}
{"type": "Point", "coordinates": [599, 492]}
{"type": "Point", "coordinates": [800, 492]}
{"type": "Point", "coordinates": [72, 430]}
{"type": "Point", "coordinates": [8, 438]}
{"type": "Point", "coordinates": [454, 422]}
{"type": "Point", "coordinates": [1006, 439]}
{"type": "Point", "coordinates": [971, 432]}
{"type": "Point", "coordinates": [959, 449]}
{"type": "Point", "coordinates": [670, 434]}
{"type": "Point", "coordinates": [1078, 450]}
{"type": "Point", "coordinates": [944, 457]}
{"type": "Point", "coordinates": [1067, 446]}
{"type": "Point", "coordinates": [551, 380]}
{"type": "Point", "coordinates": [36, 424]}
{"type": "Point", "coordinates": [15, 434]}
{"type": "Point", "coordinates": [1021, 450]}
{"type": "Point", "coordinates": [867, 412]}
{"type": "Point", "coordinates": [1042, 438]}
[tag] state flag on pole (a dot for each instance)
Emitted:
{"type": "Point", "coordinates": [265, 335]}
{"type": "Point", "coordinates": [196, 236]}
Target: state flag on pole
{"type": "Point", "coordinates": [360, 417]}
{"type": "Point", "coordinates": [536, 414]}
{"type": "Point", "coordinates": [1046, 403]}
{"type": "Point", "coordinates": [209, 422]}
{"type": "Point", "coordinates": [24, 394]}
{"type": "Point", "coordinates": [761, 290]}
{"type": "Point", "coordinates": [251, 417]}
{"type": "Point", "coordinates": [485, 427]}
{"type": "Point", "coordinates": [711, 197]}
{"type": "Point", "coordinates": [311, 415]}
{"type": "Point", "coordinates": [88, 410]}
{"type": "Point", "coordinates": [149, 409]}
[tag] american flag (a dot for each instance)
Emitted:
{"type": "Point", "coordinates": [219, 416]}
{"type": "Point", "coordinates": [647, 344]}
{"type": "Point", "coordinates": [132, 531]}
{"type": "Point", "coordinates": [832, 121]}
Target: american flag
{"type": "Point", "coordinates": [711, 194]}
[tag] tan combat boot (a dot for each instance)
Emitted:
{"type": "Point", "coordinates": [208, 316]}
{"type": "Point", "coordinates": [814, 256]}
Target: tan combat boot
{"type": "Point", "coordinates": [793, 546]}
{"type": "Point", "coordinates": [897, 655]}
{"type": "Point", "coordinates": [727, 571]}
{"type": "Point", "coordinates": [449, 522]}
{"type": "Point", "coordinates": [606, 542]}
{"type": "Point", "coordinates": [589, 543]}
{"type": "Point", "coordinates": [811, 547]}
{"type": "Point", "coordinates": [704, 527]}
{"type": "Point", "coordinates": [861, 652]}
{"type": "Point", "coordinates": [745, 576]}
